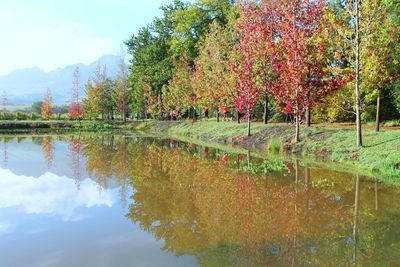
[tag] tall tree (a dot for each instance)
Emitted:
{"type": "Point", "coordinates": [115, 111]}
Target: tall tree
{"type": "Point", "coordinates": [355, 26]}
{"type": "Point", "coordinates": [213, 80]}
{"type": "Point", "coordinates": [152, 64]}
{"type": "Point", "coordinates": [121, 87]}
{"type": "Point", "coordinates": [47, 106]}
{"type": "Point", "coordinates": [76, 109]}
{"type": "Point", "coordinates": [98, 95]}
{"type": "Point", "coordinates": [247, 90]}
{"type": "Point", "coordinates": [357, 41]}
{"type": "Point", "coordinates": [380, 52]}
{"type": "Point", "coordinates": [298, 26]}
{"type": "Point", "coordinates": [193, 22]}
{"type": "Point", "coordinates": [258, 42]}
{"type": "Point", "coordinates": [249, 61]}
{"type": "Point", "coordinates": [91, 106]}
{"type": "Point", "coordinates": [179, 95]}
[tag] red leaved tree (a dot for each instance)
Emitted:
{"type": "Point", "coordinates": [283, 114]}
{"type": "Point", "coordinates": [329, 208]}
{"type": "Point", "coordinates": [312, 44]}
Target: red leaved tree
{"type": "Point", "coordinates": [303, 77]}
{"type": "Point", "coordinates": [258, 32]}
{"type": "Point", "coordinates": [245, 67]}
{"type": "Point", "coordinates": [76, 109]}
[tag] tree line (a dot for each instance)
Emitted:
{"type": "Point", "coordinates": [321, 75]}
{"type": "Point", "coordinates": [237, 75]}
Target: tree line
{"type": "Point", "coordinates": [336, 60]}
{"type": "Point", "coordinates": [271, 60]}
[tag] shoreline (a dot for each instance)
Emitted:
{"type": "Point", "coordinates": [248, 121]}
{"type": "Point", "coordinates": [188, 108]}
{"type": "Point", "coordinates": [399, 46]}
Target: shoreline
{"type": "Point", "coordinates": [379, 158]}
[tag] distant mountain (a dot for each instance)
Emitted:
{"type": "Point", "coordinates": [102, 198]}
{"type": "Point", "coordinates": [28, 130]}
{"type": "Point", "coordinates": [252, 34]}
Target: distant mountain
{"type": "Point", "coordinates": [26, 86]}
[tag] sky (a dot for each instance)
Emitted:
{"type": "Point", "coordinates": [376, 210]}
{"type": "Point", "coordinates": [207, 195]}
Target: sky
{"type": "Point", "coordinates": [55, 33]}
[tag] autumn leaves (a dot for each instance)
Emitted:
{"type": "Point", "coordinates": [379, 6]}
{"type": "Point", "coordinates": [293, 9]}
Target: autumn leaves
{"type": "Point", "coordinates": [282, 56]}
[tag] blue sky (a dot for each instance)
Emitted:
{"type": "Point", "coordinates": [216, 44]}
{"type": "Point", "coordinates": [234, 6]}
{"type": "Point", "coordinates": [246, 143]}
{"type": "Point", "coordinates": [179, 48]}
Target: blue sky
{"type": "Point", "coordinates": [52, 33]}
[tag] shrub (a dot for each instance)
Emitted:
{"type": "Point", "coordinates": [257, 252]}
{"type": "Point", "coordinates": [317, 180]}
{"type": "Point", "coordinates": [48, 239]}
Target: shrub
{"type": "Point", "coordinates": [21, 116]}
{"type": "Point", "coordinates": [275, 145]}
{"type": "Point", "coordinates": [7, 116]}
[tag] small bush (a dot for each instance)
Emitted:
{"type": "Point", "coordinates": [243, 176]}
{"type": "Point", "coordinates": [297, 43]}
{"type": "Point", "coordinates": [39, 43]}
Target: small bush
{"type": "Point", "coordinates": [265, 167]}
{"type": "Point", "coordinates": [97, 126]}
{"type": "Point", "coordinates": [8, 116]}
{"type": "Point", "coordinates": [34, 116]}
{"type": "Point", "coordinates": [275, 145]}
{"type": "Point", "coordinates": [391, 166]}
{"type": "Point", "coordinates": [392, 123]}
{"type": "Point", "coordinates": [21, 116]}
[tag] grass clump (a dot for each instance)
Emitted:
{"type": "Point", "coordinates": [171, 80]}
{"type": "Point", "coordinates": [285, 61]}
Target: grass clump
{"type": "Point", "coordinates": [391, 123]}
{"type": "Point", "coordinates": [265, 167]}
{"type": "Point", "coordinates": [275, 145]}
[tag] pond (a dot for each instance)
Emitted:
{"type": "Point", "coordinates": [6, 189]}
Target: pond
{"type": "Point", "coordinates": [114, 200]}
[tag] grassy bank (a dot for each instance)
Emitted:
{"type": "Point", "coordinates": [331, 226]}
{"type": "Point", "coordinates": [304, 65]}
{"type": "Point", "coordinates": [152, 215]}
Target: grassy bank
{"type": "Point", "coordinates": [55, 126]}
{"type": "Point", "coordinates": [379, 156]}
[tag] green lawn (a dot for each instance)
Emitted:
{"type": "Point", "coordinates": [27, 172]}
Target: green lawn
{"type": "Point", "coordinates": [380, 154]}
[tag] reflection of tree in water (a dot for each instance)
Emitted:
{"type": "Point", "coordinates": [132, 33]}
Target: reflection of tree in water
{"type": "Point", "coordinates": [47, 143]}
{"type": "Point", "coordinates": [203, 207]}
{"type": "Point", "coordinates": [120, 163]}
{"type": "Point", "coordinates": [5, 141]}
{"type": "Point", "coordinates": [195, 205]}
{"type": "Point", "coordinates": [5, 155]}
{"type": "Point", "coordinates": [208, 209]}
{"type": "Point", "coordinates": [76, 148]}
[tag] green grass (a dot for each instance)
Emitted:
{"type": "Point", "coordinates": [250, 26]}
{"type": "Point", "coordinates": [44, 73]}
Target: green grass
{"type": "Point", "coordinates": [392, 123]}
{"type": "Point", "coordinates": [380, 154]}
{"type": "Point", "coordinates": [275, 145]}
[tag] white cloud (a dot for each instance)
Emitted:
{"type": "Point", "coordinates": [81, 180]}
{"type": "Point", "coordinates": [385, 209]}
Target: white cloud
{"type": "Point", "coordinates": [47, 45]}
{"type": "Point", "coordinates": [51, 194]}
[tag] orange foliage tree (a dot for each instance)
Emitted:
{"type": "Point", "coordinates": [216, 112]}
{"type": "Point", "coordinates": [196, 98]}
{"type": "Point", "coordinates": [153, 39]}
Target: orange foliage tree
{"type": "Point", "coordinates": [47, 106]}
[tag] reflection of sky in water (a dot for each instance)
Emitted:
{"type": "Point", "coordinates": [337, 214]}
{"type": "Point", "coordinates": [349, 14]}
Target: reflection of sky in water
{"type": "Point", "coordinates": [46, 221]}
{"type": "Point", "coordinates": [51, 194]}
{"type": "Point", "coordinates": [26, 158]}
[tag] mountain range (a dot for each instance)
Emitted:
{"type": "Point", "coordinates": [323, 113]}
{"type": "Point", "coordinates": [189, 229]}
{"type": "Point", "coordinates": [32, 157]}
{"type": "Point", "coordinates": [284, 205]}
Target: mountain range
{"type": "Point", "coordinates": [26, 86]}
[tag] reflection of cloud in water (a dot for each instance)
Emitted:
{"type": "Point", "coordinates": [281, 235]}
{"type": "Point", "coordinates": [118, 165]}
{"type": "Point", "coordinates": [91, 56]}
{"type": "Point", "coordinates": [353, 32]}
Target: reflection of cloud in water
{"type": "Point", "coordinates": [50, 259]}
{"type": "Point", "coordinates": [5, 228]}
{"type": "Point", "coordinates": [51, 194]}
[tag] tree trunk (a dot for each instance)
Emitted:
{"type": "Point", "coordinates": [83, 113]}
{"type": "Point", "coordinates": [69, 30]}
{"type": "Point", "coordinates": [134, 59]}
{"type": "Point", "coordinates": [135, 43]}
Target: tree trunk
{"type": "Point", "coordinates": [376, 195]}
{"type": "Point", "coordinates": [357, 73]}
{"type": "Point", "coordinates": [297, 121]}
{"type": "Point", "coordinates": [355, 221]}
{"type": "Point", "coordinates": [266, 109]}
{"type": "Point", "coordinates": [248, 125]}
{"type": "Point", "coordinates": [238, 117]}
{"type": "Point", "coordinates": [308, 116]}
{"type": "Point", "coordinates": [124, 116]}
{"type": "Point", "coordinates": [217, 116]}
{"type": "Point", "coordinates": [378, 113]}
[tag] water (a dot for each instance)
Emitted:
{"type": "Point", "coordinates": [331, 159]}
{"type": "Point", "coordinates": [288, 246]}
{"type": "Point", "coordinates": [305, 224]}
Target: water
{"type": "Point", "coordinates": [130, 201]}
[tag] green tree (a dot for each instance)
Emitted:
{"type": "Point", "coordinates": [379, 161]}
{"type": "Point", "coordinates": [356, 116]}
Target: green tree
{"type": "Point", "coordinates": [193, 22]}
{"type": "Point", "coordinates": [120, 95]}
{"type": "Point", "coordinates": [381, 51]}
{"type": "Point", "coordinates": [37, 107]}
{"type": "Point", "coordinates": [213, 80]}
{"type": "Point", "coordinates": [98, 94]}
{"type": "Point", "coordinates": [178, 94]}
{"type": "Point", "coordinates": [151, 64]}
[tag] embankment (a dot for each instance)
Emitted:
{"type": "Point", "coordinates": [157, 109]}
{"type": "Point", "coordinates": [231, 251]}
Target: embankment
{"type": "Point", "coordinates": [379, 157]}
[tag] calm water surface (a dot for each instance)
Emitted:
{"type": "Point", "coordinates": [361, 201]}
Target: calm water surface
{"type": "Point", "coordinates": [129, 201]}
